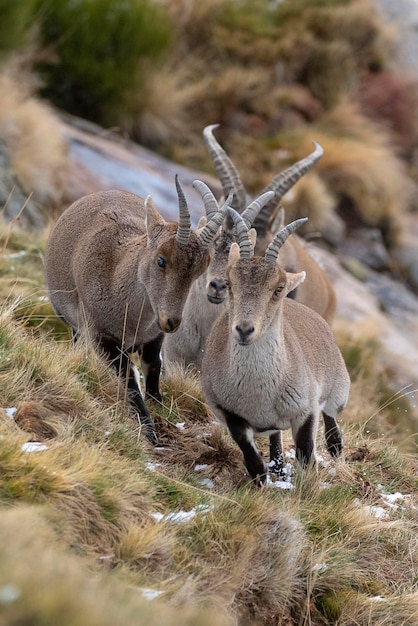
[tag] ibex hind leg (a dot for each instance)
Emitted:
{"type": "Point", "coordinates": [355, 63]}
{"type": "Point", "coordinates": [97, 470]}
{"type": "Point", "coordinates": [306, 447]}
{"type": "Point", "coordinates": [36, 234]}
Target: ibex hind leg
{"type": "Point", "coordinates": [333, 436]}
{"type": "Point", "coordinates": [242, 434]}
{"type": "Point", "coordinates": [123, 365]}
{"type": "Point", "coordinates": [151, 366]}
{"type": "Point", "coordinates": [276, 465]}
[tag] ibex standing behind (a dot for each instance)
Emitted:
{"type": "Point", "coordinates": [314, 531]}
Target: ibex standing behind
{"type": "Point", "coordinates": [116, 270]}
{"type": "Point", "coordinates": [271, 363]}
{"type": "Point", "coordinates": [317, 293]}
{"type": "Point", "coordinates": [187, 345]}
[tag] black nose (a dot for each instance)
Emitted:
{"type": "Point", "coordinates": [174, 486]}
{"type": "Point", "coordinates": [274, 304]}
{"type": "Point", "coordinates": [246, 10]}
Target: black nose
{"type": "Point", "coordinates": [244, 332]}
{"type": "Point", "coordinates": [218, 285]}
{"type": "Point", "coordinates": [172, 324]}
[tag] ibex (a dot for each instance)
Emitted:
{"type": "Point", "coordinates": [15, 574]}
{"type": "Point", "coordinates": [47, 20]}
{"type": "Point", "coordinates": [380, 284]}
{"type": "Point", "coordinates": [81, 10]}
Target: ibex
{"type": "Point", "coordinates": [271, 363]}
{"type": "Point", "coordinates": [186, 346]}
{"type": "Point", "coordinates": [116, 270]}
{"type": "Point", "coordinates": [317, 293]}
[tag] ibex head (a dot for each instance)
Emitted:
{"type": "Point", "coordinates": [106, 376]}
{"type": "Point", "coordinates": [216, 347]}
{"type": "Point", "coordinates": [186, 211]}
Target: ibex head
{"type": "Point", "coordinates": [257, 285]}
{"type": "Point", "coordinates": [216, 274]}
{"type": "Point", "coordinates": [177, 255]}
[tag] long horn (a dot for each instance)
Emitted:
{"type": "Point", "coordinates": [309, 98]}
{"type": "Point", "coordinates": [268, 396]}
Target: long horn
{"type": "Point", "coordinates": [209, 200]}
{"type": "Point", "coordinates": [183, 230]}
{"type": "Point", "coordinates": [256, 205]}
{"type": "Point", "coordinates": [208, 234]}
{"type": "Point", "coordinates": [225, 169]}
{"type": "Point", "coordinates": [282, 183]}
{"type": "Point", "coordinates": [241, 231]}
{"type": "Point", "coordinates": [274, 246]}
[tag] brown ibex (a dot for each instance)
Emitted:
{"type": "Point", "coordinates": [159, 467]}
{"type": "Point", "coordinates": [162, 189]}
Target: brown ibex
{"type": "Point", "coordinates": [317, 293]}
{"type": "Point", "coordinates": [117, 271]}
{"type": "Point", "coordinates": [271, 363]}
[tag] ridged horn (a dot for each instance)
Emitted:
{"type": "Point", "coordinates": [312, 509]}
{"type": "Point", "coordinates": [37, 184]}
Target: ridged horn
{"type": "Point", "coordinates": [208, 234]}
{"type": "Point", "coordinates": [274, 246]}
{"type": "Point", "coordinates": [241, 232]}
{"type": "Point", "coordinates": [225, 169]}
{"type": "Point", "coordinates": [254, 208]}
{"type": "Point", "coordinates": [282, 183]}
{"type": "Point", "coordinates": [183, 230]}
{"type": "Point", "coordinates": [209, 200]}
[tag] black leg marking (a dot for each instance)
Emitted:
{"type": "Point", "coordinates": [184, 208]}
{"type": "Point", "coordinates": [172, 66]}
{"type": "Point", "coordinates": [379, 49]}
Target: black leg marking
{"type": "Point", "coordinates": [120, 360]}
{"type": "Point", "coordinates": [151, 362]}
{"type": "Point", "coordinates": [304, 441]}
{"type": "Point", "coordinates": [240, 432]}
{"type": "Point", "coordinates": [333, 436]}
{"type": "Point", "coordinates": [276, 465]}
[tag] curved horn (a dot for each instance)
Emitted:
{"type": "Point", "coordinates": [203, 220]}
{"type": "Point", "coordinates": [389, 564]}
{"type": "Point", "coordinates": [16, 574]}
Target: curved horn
{"type": "Point", "coordinates": [183, 230]}
{"type": "Point", "coordinates": [225, 169]}
{"type": "Point", "coordinates": [282, 183]}
{"type": "Point", "coordinates": [274, 246]}
{"type": "Point", "coordinates": [209, 200]}
{"type": "Point", "coordinates": [241, 230]}
{"type": "Point", "coordinates": [208, 234]}
{"type": "Point", "coordinates": [256, 205]}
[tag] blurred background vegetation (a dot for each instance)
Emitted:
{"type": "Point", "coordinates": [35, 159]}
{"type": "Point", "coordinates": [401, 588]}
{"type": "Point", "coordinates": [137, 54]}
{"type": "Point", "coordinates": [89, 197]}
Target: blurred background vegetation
{"type": "Point", "coordinates": [274, 75]}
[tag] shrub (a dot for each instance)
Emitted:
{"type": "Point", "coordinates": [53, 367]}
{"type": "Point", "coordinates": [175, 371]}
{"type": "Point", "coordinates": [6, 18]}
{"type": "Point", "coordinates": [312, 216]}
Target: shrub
{"type": "Point", "coordinates": [15, 24]}
{"type": "Point", "coordinates": [98, 48]}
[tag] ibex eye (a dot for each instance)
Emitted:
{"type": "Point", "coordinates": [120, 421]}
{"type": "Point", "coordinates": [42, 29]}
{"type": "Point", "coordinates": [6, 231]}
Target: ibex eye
{"type": "Point", "coordinates": [278, 290]}
{"type": "Point", "coordinates": [161, 261]}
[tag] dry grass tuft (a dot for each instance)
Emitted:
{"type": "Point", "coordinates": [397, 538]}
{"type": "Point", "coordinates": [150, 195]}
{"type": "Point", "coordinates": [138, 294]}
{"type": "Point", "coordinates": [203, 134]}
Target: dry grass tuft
{"type": "Point", "coordinates": [359, 167]}
{"type": "Point", "coordinates": [32, 135]}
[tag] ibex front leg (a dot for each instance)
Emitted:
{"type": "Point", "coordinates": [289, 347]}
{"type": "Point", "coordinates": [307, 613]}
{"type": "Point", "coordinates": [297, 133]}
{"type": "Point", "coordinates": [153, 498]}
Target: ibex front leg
{"type": "Point", "coordinates": [128, 372]}
{"type": "Point", "coordinates": [151, 366]}
{"type": "Point", "coordinates": [243, 434]}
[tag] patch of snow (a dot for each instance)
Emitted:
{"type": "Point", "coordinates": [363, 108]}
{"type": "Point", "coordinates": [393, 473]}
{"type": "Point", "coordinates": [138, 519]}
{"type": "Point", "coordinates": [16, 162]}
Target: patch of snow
{"type": "Point", "coordinates": [278, 484]}
{"type": "Point", "coordinates": [15, 255]}
{"type": "Point", "coordinates": [208, 483]}
{"type": "Point", "coordinates": [320, 567]}
{"type": "Point", "coordinates": [378, 599]}
{"type": "Point", "coordinates": [9, 593]}
{"type": "Point", "coordinates": [180, 425]}
{"type": "Point", "coordinates": [391, 498]}
{"type": "Point", "coordinates": [11, 411]}
{"type": "Point", "coordinates": [150, 594]}
{"type": "Point", "coordinates": [199, 468]}
{"type": "Point", "coordinates": [33, 446]}
{"type": "Point", "coordinates": [377, 511]}
{"type": "Point", "coordinates": [290, 454]}
{"type": "Point", "coordinates": [178, 517]}
{"type": "Point", "coordinates": [152, 466]}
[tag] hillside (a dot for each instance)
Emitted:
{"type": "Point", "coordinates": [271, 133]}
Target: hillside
{"type": "Point", "coordinates": [97, 527]}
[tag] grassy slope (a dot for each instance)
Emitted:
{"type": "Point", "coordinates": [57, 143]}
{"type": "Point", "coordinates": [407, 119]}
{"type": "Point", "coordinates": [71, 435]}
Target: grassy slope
{"type": "Point", "coordinates": [82, 534]}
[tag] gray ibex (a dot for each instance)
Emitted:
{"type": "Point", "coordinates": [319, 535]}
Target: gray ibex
{"type": "Point", "coordinates": [271, 363]}
{"type": "Point", "coordinates": [317, 293]}
{"type": "Point", "coordinates": [115, 269]}
{"type": "Point", "coordinates": [186, 346]}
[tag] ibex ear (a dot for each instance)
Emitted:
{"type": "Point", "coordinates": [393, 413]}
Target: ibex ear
{"type": "Point", "coordinates": [252, 233]}
{"type": "Point", "coordinates": [152, 217]}
{"type": "Point", "coordinates": [234, 253]}
{"type": "Point", "coordinates": [202, 223]}
{"type": "Point", "coordinates": [293, 280]}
